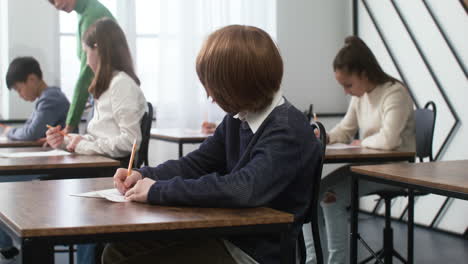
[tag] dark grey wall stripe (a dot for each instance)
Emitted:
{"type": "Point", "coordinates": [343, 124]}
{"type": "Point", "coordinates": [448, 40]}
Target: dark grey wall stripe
{"type": "Point", "coordinates": [442, 32]}
{"type": "Point", "coordinates": [355, 18]}
{"type": "Point", "coordinates": [442, 209]}
{"type": "Point", "coordinates": [395, 62]}
{"type": "Point", "coordinates": [464, 6]}
{"type": "Point", "coordinates": [433, 76]}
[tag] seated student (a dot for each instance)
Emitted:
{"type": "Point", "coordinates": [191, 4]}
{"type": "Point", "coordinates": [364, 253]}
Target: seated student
{"type": "Point", "coordinates": [262, 154]}
{"type": "Point", "coordinates": [382, 110]}
{"type": "Point", "coordinates": [119, 104]}
{"type": "Point", "coordinates": [24, 75]}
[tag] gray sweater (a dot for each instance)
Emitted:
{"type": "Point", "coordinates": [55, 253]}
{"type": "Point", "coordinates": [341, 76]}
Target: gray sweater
{"type": "Point", "coordinates": [51, 109]}
{"type": "Point", "coordinates": [272, 168]}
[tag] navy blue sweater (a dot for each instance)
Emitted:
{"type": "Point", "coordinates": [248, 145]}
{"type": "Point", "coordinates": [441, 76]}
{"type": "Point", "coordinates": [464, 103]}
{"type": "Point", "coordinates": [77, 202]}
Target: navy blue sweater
{"type": "Point", "coordinates": [275, 170]}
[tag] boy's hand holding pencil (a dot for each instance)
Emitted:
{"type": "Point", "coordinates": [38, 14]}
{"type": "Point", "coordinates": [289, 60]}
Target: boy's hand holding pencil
{"type": "Point", "coordinates": [126, 179]}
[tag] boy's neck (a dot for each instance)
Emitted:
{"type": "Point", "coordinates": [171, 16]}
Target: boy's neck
{"type": "Point", "coordinates": [42, 86]}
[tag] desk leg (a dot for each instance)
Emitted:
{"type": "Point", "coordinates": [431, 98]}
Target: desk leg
{"type": "Point", "coordinates": [288, 248]}
{"type": "Point", "coordinates": [354, 218]}
{"type": "Point", "coordinates": [181, 151]}
{"type": "Point", "coordinates": [410, 226]}
{"type": "Point", "coordinates": [32, 251]}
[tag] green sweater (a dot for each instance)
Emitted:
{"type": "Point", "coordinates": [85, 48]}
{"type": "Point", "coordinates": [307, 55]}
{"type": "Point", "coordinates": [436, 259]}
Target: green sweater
{"type": "Point", "coordinates": [88, 12]}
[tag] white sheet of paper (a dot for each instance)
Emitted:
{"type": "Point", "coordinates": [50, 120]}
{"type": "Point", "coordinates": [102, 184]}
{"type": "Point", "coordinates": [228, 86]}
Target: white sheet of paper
{"type": "Point", "coordinates": [3, 138]}
{"type": "Point", "coordinates": [109, 194]}
{"type": "Point", "coordinates": [341, 146]}
{"type": "Point", "coordinates": [55, 152]}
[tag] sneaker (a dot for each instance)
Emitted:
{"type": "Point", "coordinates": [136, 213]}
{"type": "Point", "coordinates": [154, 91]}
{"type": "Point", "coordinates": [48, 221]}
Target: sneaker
{"type": "Point", "coordinates": [8, 255]}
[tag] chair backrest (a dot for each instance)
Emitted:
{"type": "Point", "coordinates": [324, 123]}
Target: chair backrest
{"type": "Point", "coordinates": [425, 122]}
{"type": "Point", "coordinates": [146, 122]}
{"type": "Point", "coordinates": [312, 211]}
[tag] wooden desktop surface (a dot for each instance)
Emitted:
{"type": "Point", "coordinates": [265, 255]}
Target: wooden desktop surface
{"type": "Point", "coordinates": [444, 175]}
{"type": "Point", "coordinates": [368, 154]}
{"type": "Point", "coordinates": [45, 208]}
{"type": "Point", "coordinates": [7, 143]}
{"type": "Point", "coordinates": [179, 135]}
{"type": "Point", "coordinates": [52, 162]}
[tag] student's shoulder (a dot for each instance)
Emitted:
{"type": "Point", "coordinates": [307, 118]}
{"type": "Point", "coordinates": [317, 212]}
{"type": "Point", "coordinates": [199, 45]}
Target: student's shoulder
{"type": "Point", "coordinates": [53, 92]}
{"type": "Point", "coordinates": [288, 118]}
{"type": "Point", "coordinates": [122, 79]}
{"type": "Point", "coordinates": [395, 91]}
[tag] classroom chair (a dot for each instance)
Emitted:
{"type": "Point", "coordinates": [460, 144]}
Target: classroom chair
{"type": "Point", "coordinates": [425, 123]}
{"type": "Point", "coordinates": [312, 211]}
{"type": "Point", "coordinates": [146, 123]}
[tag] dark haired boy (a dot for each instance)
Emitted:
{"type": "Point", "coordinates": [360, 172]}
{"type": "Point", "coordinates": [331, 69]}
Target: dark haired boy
{"type": "Point", "coordinates": [25, 77]}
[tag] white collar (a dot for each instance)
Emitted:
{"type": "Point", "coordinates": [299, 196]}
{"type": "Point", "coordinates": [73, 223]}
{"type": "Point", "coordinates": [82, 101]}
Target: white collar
{"type": "Point", "coordinates": [255, 119]}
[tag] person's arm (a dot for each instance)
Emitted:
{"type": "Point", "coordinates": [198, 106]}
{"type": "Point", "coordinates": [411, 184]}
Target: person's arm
{"type": "Point", "coordinates": [209, 157]}
{"type": "Point", "coordinates": [345, 131]}
{"type": "Point", "coordinates": [80, 94]}
{"type": "Point", "coordinates": [274, 162]}
{"type": "Point", "coordinates": [396, 110]}
{"type": "Point", "coordinates": [47, 112]}
{"type": "Point", "coordinates": [127, 104]}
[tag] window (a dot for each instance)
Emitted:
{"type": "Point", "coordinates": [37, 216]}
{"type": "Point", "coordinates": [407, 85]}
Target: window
{"type": "Point", "coordinates": [69, 62]}
{"type": "Point", "coordinates": [164, 37]}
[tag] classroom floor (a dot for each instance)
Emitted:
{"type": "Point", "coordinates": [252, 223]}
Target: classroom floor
{"type": "Point", "coordinates": [430, 247]}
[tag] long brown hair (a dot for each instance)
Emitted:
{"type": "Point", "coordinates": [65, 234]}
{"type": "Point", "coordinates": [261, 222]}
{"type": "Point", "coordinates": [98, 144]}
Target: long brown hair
{"type": "Point", "coordinates": [240, 68]}
{"type": "Point", "coordinates": [356, 57]}
{"type": "Point", "coordinates": [114, 55]}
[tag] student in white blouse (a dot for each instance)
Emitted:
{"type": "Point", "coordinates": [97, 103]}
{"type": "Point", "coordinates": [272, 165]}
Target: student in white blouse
{"type": "Point", "coordinates": [118, 108]}
{"type": "Point", "coordinates": [382, 110]}
{"type": "Point", "coordinates": [119, 102]}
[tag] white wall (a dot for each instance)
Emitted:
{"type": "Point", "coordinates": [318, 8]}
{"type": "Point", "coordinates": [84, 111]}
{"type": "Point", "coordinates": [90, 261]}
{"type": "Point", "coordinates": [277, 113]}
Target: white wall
{"type": "Point", "coordinates": [310, 32]}
{"type": "Point", "coordinates": [28, 28]}
{"type": "Point", "coordinates": [447, 76]}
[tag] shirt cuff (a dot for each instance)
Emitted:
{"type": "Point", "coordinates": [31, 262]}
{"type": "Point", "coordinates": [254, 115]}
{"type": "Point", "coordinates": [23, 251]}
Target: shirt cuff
{"type": "Point", "coordinates": [83, 147]}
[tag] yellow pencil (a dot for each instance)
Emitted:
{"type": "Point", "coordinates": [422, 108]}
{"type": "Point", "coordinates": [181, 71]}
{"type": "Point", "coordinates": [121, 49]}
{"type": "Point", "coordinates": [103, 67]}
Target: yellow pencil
{"type": "Point", "coordinates": [61, 132]}
{"type": "Point", "coordinates": [132, 157]}
{"type": "Point", "coordinates": [315, 117]}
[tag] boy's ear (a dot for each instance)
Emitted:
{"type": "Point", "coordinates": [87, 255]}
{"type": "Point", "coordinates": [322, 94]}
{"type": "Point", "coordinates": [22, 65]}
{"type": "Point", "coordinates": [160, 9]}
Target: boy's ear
{"type": "Point", "coordinates": [32, 78]}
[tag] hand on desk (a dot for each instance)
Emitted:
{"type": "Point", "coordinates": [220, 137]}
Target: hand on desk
{"type": "Point", "coordinates": [5, 129]}
{"type": "Point", "coordinates": [124, 183]}
{"type": "Point", "coordinates": [356, 142]}
{"type": "Point", "coordinates": [139, 192]}
{"type": "Point", "coordinates": [75, 139]}
{"type": "Point", "coordinates": [208, 128]}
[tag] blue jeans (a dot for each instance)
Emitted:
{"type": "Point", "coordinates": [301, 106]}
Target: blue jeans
{"type": "Point", "coordinates": [335, 214]}
{"type": "Point", "coordinates": [5, 240]}
{"type": "Point", "coordinates": [87, 253]}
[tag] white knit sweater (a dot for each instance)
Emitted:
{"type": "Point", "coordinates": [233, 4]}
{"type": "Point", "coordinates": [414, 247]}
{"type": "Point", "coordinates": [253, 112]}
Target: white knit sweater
{"type": "Point", "coordinates": [384, 118]}
{"type": "Point", "coordinates": [116, 121]}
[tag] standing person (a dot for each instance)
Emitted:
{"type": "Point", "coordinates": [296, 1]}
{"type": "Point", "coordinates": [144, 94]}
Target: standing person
{"type": "Point", "coordinates": [262, 154]}
{"type": "Point", "coordinates": [119, 104]}
{"type": "Point", "coordinates": [382, 110]}
{"type": "Point", "coordinates": [89, 11]}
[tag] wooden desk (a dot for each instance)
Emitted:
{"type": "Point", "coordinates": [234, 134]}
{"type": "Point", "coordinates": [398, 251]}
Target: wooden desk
{"type": "Point", "coordinates": [448, 178]}
{"type": "Point", "coordinates": [7, 143]}
{"type": "Point", "coordinates": [54, 164]}
{"type": "Point", "coordinates": [41, 214]}
{"type": "Point", "coordinates": [179, 136]}
{"type": "Point", "coordinates": [356, 155]}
